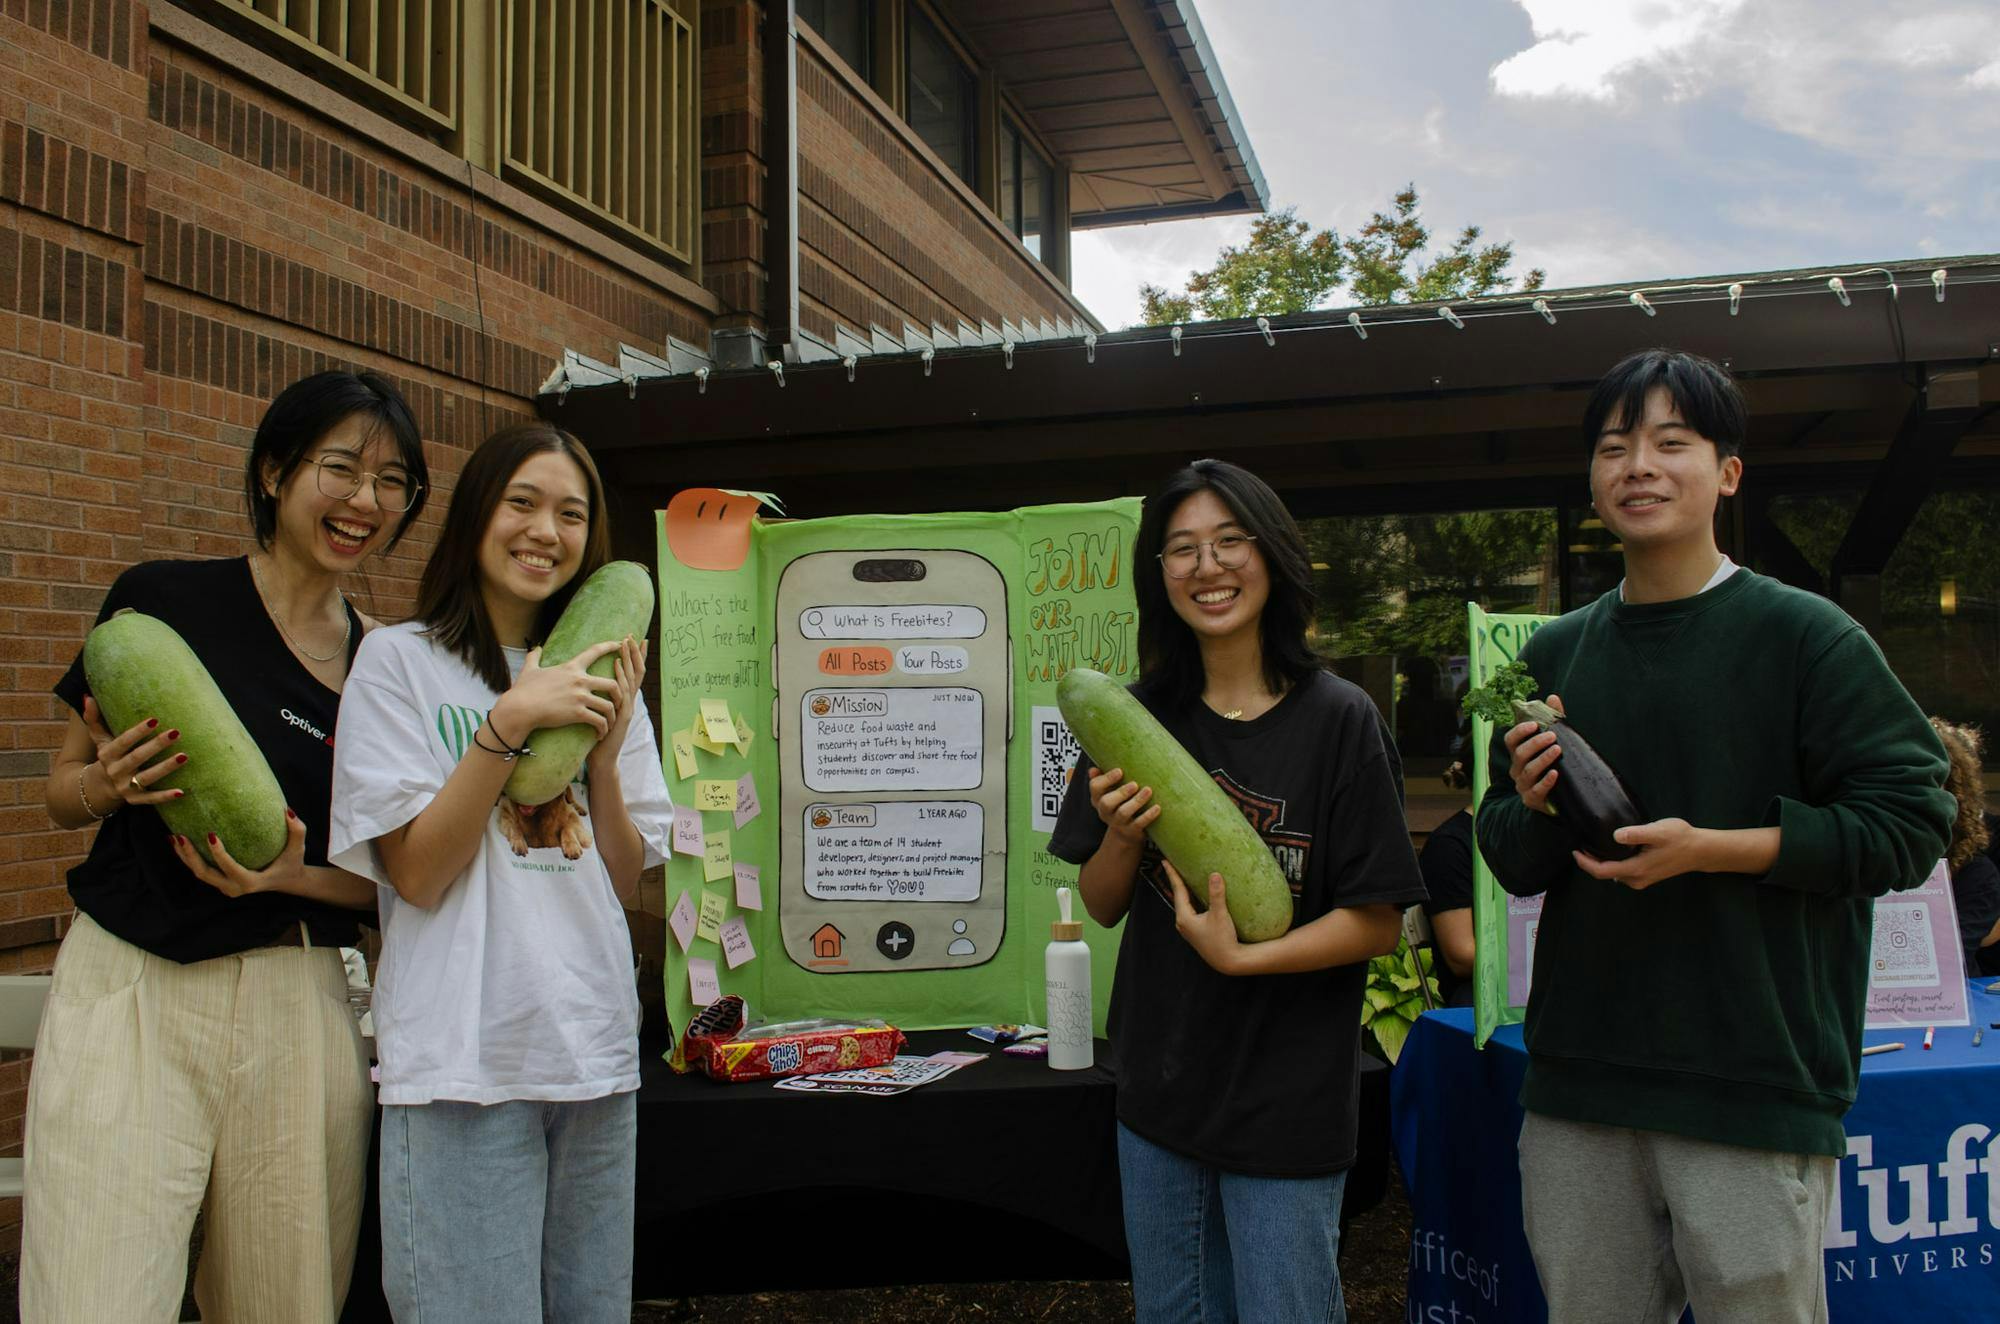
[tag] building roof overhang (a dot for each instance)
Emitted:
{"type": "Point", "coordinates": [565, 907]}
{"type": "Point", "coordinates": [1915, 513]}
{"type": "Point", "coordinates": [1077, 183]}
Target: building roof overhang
{"type": "Point", "coordinates": [1130, 95]}
{"type": "Point", "coordinates": [1759, 324]}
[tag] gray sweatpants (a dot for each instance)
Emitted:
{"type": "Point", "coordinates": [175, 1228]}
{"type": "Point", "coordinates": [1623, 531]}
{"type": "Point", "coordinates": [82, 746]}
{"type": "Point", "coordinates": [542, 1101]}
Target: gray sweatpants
{"type": "Point", "coordinates": [1628, 1227]}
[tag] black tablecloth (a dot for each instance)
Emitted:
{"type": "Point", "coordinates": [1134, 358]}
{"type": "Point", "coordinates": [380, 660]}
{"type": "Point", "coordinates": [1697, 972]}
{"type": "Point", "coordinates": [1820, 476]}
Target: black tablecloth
{"type": "Point", "coordinates": [1003, 1170]}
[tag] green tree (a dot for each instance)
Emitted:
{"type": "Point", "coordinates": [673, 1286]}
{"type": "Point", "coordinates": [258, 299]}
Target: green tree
{"type": "Point", "coordinates": [1286, 267]}
{"type": "Point", "coordinates": [1289, 267]}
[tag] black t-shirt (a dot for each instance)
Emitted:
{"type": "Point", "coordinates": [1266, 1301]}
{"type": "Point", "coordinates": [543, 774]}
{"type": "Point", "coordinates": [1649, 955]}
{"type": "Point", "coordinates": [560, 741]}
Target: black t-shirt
{"type": "Point", "coordinates": [1975, 889]}
{"type": "Point", "coordinates": [1447, 865]}
{"type": "Point", "coordinates": [1258, 1074]}
{"type": "Point", "coordinates": [132, 883]}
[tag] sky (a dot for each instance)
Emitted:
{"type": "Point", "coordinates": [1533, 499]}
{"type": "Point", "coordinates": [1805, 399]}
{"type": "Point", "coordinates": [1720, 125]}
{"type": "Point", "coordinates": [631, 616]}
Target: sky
{"type": "Point", "coordinates": [1611, 141]}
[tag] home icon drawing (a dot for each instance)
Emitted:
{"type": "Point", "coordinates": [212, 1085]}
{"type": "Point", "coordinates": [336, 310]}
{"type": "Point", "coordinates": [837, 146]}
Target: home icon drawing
{"type": "Point", "coordinates": [826, 942]}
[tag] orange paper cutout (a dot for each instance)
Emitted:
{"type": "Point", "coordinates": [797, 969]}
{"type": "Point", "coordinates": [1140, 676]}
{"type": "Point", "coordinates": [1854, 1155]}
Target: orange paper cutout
{"type": "Point", "coordinates": [709, 529]}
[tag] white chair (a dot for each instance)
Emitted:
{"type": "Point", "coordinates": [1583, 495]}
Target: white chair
{"type": "Point", "coordinates": [21, 998]}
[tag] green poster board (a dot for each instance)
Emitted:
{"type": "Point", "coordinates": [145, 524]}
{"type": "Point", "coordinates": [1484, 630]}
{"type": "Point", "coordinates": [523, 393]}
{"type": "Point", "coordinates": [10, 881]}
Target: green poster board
{"type": "Point", "coordinates": [1503, 926]}
{"type": "Point", "coordinates": [896, 676]}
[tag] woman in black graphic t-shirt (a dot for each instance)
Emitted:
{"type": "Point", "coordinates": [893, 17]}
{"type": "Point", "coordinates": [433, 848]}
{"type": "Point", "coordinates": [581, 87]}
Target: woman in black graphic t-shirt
{"type": "Point", "coordinates": [196, 1051]}
{"type": "Point", "coordinates": [1236, 1063]}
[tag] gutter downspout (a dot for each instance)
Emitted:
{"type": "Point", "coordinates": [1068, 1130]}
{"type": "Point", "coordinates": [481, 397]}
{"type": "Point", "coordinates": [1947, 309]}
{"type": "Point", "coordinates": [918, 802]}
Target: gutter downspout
{"type": "Point", "coordinates": [781, 181]}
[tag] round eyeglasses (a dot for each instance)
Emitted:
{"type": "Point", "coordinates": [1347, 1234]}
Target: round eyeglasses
{"type": "Point", "coordinates": [341, 478]}
{"type": "Point", "coordinates": [1230, 551]}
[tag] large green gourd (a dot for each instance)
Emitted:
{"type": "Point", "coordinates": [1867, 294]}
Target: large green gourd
{"type": "Point", "coordinates": [614, 602]}
{"type": "Point", "coordinates": [1198, 828]}
{"type": "Point", "coordinates": [138, 667]}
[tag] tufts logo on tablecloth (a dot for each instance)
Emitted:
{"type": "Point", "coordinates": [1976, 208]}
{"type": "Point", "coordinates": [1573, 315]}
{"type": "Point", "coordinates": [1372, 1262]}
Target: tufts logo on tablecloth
{"type": "Point", "coordinates": [1896, 1205]}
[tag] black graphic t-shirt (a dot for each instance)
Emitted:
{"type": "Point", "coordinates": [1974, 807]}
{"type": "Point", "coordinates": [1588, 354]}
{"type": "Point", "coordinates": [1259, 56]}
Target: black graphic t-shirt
{"type": "Point", "coordinates": [1257, 1074]}
{"type": "Point", "coordinates": [132, 883]}
{"type": "Point", "coordinates": [1447, 865]}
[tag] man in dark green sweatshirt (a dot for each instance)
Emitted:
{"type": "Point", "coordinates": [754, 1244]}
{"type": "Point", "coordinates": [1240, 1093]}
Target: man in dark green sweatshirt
{"type": "Point", "coordinates": [1694, 1025]}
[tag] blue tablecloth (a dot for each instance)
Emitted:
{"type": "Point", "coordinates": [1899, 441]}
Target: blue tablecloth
{"type": "Point", "coordinates": [1915, 1232]}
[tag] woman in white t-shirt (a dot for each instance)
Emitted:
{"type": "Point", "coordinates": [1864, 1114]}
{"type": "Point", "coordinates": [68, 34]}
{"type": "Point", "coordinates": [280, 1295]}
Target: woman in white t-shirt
{"type": "Point", "coordinates": [506, 1015]}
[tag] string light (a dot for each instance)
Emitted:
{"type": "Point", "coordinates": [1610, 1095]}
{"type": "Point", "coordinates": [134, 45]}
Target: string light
{"type": "Point", "coordinates": [1693, 292]}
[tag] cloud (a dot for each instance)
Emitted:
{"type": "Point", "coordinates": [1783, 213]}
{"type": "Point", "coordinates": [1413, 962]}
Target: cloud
{"type": "Point", "coordinates": [1107, 267]}
{"type": "Point", "coordinates": [1583, 47]}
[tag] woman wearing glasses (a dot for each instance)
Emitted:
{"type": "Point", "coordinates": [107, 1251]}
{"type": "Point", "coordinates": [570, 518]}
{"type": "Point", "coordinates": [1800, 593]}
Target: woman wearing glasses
{"type": "Point", "coordinates": [197, 1052]}
{"type": "Point", "coordinates": [1236, 1062]}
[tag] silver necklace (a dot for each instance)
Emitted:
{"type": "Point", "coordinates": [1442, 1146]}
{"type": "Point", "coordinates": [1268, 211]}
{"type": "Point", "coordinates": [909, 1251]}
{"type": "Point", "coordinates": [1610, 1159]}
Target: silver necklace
{"type": "Point", "coordinates": [346, 619]}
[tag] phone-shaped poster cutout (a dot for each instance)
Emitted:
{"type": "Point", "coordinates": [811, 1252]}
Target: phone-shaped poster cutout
{"type": "Point", "coordinates": [893, 678]}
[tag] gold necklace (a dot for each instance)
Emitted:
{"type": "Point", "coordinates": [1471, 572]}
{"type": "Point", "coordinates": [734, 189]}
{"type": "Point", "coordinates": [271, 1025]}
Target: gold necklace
{"type": "Point", "coordinates": [1233, 714]}
{"type": "Point", "coordinates": [346, 619]}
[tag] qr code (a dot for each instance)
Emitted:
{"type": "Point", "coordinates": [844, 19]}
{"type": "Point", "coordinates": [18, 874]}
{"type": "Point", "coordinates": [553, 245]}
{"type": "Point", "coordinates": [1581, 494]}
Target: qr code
{"type": "Point", "coordinates": [1055, 754]}
{"type": "Point", "coordinates": [1903, 952]}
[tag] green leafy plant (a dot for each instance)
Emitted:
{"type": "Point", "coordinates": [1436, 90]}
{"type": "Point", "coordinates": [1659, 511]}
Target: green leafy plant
{"type": "Point", "coordinates": [1495, 699]}
{"type": "Point", "coordinates": [1393, 997]}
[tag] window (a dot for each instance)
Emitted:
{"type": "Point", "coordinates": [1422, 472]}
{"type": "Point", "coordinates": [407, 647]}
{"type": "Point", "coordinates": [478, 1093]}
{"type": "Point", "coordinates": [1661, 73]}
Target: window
{"type": "Point", "coordinates": [943, 98]}
{"type": "Point", "coordinates": [594, 104]}
{"type": "Point", "coordinates": [406, 50]}
{"type": "Point", "coordinates": [844, 24]}
{"type": "Point", "coordinates": [601, 110]}
{"type": "Point", "coordinates": [1027, 188]}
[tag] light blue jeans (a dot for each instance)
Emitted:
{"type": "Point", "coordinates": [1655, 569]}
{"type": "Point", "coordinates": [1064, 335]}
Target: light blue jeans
{"type": "Point", "coordinates": [509, 1212]}
{"type": "Point", "coordinates": [1214, 1247]}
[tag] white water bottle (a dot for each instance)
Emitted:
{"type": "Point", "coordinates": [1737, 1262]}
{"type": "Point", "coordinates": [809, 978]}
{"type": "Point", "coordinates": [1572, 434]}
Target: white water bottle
{"type": "Point", "coordinates": [1067, 971]}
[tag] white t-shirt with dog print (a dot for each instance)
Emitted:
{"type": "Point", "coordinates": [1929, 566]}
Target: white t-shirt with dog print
{"type": "Point", "coordinates": [519, 983]}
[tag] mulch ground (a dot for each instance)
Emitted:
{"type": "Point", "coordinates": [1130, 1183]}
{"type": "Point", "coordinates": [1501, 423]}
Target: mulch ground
{"type": "Point", "coordinates": [1373, 1263]}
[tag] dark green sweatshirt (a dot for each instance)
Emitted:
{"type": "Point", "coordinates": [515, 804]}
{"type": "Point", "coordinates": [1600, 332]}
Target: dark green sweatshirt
{"type": "Point", "coordinates": [1720, 1006]}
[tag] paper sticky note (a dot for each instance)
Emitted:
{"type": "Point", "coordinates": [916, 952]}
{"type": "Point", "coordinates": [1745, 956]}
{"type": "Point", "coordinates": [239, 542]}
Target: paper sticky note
{"type": "Point", "coordinates": [706, 530]}
{"type": "Point", "coordinates": [702, 742]}
{"type": "Point", "coordinates": [687, 830]}
{"type": "Point", "coordinates": [683, 742]}
{"type": "Point", "coordinates": [681, 919]}
{"type": "Point", "coordinates": [715, 796]}
{"type": "Point", "coordinates": [714, 905]}
{"type": "Point", "coordinates": [715, 721]}
{"type": "Point", "coordinates": [736, 948]}
{"type": "Point", "coordinates": [743, 736]}
{"type": "Point", "coordinates": [702, 986]}
{"type": "Point", "coordinates": [743, 799]}
{"type": "Point", "coordinates": [715, 861]}
{"type": "Point", "coordinates": [749, 888]}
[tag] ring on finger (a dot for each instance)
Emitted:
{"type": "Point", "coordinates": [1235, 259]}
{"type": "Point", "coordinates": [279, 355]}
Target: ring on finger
{"type": "Point", "coordinates": [135, 783]}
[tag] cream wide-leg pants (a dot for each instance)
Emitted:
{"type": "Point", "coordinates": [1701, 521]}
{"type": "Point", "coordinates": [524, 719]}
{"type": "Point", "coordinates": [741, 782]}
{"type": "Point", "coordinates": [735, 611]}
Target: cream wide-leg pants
{"type": "Point", "coordinates": [236, 1086]}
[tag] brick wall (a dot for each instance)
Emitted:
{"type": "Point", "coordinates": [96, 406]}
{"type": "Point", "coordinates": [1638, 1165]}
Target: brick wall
{"type": "Point", "coordinates": [186, 227]}
{"type": "Point", "coordinates": [887, 235]}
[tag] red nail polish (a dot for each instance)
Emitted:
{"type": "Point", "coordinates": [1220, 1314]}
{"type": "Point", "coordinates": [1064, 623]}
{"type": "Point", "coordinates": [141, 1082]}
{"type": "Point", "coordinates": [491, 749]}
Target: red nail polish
{"type": "Point", "coordinates": [214, 840]}
{"type": "Point", "coordinates": [178, 794]}
{"type": "Point", "coordinates": [152, 722]}
{"type": "Point", "coordinates": [180, 758]}
{"type": "Point", "coordinates": [290, 814]}
{"type": "Point", "coordinates": [173, 735]}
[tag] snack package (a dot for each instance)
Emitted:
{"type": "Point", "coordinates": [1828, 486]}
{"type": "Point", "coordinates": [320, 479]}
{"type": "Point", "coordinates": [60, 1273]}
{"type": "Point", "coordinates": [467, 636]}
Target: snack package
{"type": "Point", "coordinates": [719, 1043]}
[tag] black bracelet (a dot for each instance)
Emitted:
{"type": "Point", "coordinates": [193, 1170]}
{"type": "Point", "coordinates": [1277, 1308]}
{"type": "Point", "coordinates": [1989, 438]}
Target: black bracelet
{"type": "Point", "coordinates": [506, 753]}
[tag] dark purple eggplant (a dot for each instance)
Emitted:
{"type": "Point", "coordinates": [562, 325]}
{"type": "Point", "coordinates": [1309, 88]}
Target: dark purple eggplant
{"type": "Point", "coordinates": [1589, 798]}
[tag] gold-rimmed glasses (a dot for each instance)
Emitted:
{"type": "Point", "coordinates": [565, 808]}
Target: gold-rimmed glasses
{"type": "Point", "coordinates": [340, 478]}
